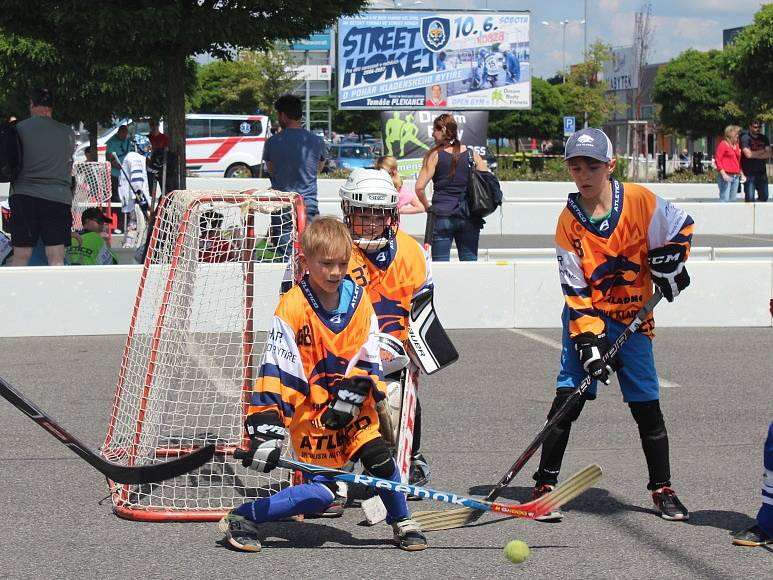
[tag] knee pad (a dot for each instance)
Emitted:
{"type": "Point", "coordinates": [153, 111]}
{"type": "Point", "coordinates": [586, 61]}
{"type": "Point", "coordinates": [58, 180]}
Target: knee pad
{"type": "Point", "coordinates": [562, 395]}
{"type": "Point", "coordinates": [377, 460]}
{"type": "Point", "coordinates": [649, 418]}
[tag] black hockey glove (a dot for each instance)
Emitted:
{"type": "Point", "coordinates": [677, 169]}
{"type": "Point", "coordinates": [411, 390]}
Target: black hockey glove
{"type": "Point", "coordinates": [266, 435]}
{"type": "Point", "coordinates": [591, 348]}
{"type": "Point", "coordinates": [346, 405]}
{"type": "Point", "coordinates": [668, 271]}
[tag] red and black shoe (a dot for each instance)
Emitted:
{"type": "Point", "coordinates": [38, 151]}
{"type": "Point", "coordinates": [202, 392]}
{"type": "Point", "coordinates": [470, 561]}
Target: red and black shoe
{"type": "Point", "coordinates": [669, 505]}
{"type": "Point", "coordinates": [539, 490]}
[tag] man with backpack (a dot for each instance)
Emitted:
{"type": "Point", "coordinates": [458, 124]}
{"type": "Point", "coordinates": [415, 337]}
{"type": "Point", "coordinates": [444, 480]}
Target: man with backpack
{"type": "Point", "coordinates": [41, 193]}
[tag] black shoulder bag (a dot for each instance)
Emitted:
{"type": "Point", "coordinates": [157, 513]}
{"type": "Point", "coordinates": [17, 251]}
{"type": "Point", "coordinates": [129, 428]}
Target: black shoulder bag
{"type": "Point", "coordinates": [484, 195]}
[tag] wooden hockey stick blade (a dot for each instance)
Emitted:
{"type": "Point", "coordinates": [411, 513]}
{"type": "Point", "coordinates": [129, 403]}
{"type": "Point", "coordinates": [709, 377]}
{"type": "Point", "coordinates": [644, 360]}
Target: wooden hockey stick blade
{"type": "Point", "coordinates": [131, 474]}
{"type": "Point", "coordinates": [430, 521]}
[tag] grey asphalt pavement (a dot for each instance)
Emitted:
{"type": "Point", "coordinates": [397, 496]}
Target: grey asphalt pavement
{"type": "Point", "coordinates": [478, 416]}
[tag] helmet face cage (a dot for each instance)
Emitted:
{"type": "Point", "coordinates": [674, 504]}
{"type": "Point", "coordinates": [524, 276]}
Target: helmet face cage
{"type": "Point", "coordinates": [371, 226]}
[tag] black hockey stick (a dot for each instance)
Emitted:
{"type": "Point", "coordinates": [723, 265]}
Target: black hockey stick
{"type": "Point", "coordinates": [457, 518]}
{"type": "Point", "coordinates": [132, 474]}
{"type": "Point", "coordinates": [429, 229]}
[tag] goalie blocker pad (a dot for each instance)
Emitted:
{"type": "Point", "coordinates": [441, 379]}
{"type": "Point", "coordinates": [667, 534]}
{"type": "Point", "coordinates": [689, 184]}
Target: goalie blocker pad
{"type": "Point", "coordinates": [431, 349]}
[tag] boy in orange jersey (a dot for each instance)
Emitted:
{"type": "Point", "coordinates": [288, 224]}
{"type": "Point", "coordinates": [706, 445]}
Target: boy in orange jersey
{"type": "Point", "coordinates": [613, 240]}
{"type": "Point", "coordinates": [394, 270]}
{"type": "Point", "coordinates": [320, 378]}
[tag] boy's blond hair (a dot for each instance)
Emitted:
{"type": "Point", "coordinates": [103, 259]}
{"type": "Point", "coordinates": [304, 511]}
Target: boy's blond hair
{"type": "Point", "coordinates": [389, 164]}
{"type": "Point", "coordinates": [326, 235]}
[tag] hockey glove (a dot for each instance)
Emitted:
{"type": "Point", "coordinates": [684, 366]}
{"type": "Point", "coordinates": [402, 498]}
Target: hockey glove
{"type": "Point", "coordinates": [346, 405]}
{"type": "Point", "coordinates": [266, 435]}
{"type": "Point", "coordinates": [591, 348]}
{"type": "Point", "coordinates": [668, 271]}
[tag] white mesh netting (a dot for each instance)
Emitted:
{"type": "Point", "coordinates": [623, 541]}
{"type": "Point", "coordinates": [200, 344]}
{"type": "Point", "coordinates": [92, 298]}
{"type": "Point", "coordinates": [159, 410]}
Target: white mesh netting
{"type": "Point", "coordinates": [92, 188]}
{"type": "Point", "coordinates": [194, 344]}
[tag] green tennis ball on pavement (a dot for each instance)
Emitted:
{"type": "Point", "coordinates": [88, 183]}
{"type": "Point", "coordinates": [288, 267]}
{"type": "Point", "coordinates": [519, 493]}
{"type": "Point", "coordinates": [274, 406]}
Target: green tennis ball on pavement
{"type": "Point", "coordinates": [516, 551]}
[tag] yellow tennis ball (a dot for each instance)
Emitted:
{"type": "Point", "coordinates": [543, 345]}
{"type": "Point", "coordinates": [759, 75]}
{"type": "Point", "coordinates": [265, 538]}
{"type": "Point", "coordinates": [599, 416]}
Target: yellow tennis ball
{"type": "Point", "coordinates": [516, 551]}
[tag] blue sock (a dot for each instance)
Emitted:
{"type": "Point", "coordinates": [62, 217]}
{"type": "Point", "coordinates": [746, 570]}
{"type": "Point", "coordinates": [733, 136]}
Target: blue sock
{"type": "Point", "coordinates": [308, 498]}
{"type": "Point", "coordinates": [394, 502]}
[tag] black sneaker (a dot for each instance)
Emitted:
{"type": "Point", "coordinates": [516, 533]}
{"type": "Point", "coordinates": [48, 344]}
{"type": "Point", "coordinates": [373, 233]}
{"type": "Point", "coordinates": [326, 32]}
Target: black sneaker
{"type": "Point", "coordinates": [334, 510]}
{"type": "Point", "coordinates": [753, 536]}
{"type": "Point", "coordinates": [669, 505]}
{"type": "Point", "coordinates": [408, 535]}
{"type": "Point", "coordinates": [240, 532]}
{"type": "Point", "coordinates": [542, 489]}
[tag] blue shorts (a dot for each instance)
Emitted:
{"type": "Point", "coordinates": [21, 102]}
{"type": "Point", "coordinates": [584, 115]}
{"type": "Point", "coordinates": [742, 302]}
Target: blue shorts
{"type": "Point", "coordinates": [638, 377]}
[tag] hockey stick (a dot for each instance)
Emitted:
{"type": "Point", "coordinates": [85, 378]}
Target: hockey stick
{"type": "Point", "coordinates": [567, 491]}
{"type": "Point", "coordinates": [132, 474]}
{"type": "Point", "coordinates": [433, 520]}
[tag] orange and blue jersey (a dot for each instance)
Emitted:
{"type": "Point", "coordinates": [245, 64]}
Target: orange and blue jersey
{"type": "Point", "coordinates": [393, 277]}
{"type": "Point", "coordinates": [309, 351]}
{"type": "Point", "coordinates": [603, 266]}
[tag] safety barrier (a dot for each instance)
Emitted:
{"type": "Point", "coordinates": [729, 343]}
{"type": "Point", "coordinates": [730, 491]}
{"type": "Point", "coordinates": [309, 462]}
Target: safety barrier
{"type": "Point", "coordinates": [97, 300]}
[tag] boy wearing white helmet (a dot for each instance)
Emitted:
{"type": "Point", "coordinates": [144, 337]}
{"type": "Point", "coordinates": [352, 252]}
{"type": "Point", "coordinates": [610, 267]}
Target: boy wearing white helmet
{"type": "Point", "coordinates": [394, 269]}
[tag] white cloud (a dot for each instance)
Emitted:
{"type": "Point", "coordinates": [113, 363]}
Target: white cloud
{"type": "Point", "coordinates": [610, 5]}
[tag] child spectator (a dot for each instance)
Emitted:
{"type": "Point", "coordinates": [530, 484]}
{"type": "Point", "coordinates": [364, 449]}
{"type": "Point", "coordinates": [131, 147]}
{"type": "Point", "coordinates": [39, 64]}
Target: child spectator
{"type": "Point", "coordinates": [213, 245]}
{"type": "Point", "coordinates": [407, 202]}
{"type": "Point", "coordinates": [320, 378]}
{"type": "Point", "coordinates": [91, 245]}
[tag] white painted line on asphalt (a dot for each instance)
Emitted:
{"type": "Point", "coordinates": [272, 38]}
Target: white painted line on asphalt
{"type": "Point", "coordinates": [666, 384]}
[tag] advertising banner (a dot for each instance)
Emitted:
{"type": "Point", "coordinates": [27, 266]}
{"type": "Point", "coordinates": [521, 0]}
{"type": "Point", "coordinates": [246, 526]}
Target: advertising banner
{"type": "Point", "coordinates": [415, 60]}
{"type": "Point", "coordinates": [408, 135]}
{"type": "Point", "coordinates": [621, 72]}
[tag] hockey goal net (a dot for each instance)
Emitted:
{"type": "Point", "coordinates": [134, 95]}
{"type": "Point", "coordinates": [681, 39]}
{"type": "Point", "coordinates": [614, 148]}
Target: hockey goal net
{"type": "Point", "coordinates": [92, 188]}
{"type": "Point", "coordinates": [209, 286]}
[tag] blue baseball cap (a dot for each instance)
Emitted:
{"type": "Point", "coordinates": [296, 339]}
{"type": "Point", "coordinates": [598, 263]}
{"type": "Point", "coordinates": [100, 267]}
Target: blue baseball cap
{"type": "Point", "coordinates": [589, 142]}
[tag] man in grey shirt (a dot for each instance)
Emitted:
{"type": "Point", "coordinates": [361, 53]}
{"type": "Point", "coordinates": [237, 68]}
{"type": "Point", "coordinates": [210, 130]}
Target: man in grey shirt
{"type": "Point", "coordinates": [41, 195]}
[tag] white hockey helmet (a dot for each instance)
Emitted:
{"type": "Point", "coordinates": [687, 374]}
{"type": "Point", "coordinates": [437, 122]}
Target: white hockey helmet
{"type": "Point", "coordinates": [369, 205]}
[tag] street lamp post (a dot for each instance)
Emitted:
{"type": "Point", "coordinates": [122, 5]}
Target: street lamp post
{"type": "Point", "coordinates": [564, 24]}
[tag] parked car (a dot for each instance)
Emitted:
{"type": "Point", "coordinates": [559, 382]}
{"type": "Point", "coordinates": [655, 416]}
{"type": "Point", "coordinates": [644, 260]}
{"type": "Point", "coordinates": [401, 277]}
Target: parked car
{"type": "Point", "coordinates": [350, 156]}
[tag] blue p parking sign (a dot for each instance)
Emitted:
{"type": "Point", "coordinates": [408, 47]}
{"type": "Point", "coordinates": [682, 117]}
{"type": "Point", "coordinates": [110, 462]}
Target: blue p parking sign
{"type": "Point", "coordinates": [569, 126]}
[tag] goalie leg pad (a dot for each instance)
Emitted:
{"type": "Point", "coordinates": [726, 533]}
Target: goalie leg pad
{"type": "Point", "coordinates": [555, 444]}
{"type": "Point", "coordinates": [377, 461]}
{"type": "Point", "coordinates": [654, 441]}
{"type": "Point", "coordinates": [307, 498]}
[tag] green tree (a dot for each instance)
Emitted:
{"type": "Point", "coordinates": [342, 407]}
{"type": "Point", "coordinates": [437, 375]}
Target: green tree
{"type": "Point", "coordinates": [583, 94]}
{"type": "Point", "coordinates": [750, 62]}
{"type": "Point", "coordinates": [542, 121]}
{"type": "Point", "coordinates": [695, 93]}
{"type": "Point", "coordinates": [85, 89]}
{"type": "Point", "coordinates": [170, 32]}
{"type": "Point", "coordinates": [276, 75]}
{"type": "Point", "coordinates": [226, 87]}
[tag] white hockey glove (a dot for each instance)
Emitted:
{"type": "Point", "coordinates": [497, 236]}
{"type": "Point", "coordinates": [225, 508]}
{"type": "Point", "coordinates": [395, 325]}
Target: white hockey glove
{"type": "Point", "coordinates": [346, 405]}
{"type": "Point", "coordinates": [668, 271]}
{"type": "Point", "coordinates": [266, 435]}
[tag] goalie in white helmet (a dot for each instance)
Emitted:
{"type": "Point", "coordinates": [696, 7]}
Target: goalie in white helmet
{"type": "Point", "coordinates": [369, 205]}
{"type": "Point", "coordinates": [394, 269]}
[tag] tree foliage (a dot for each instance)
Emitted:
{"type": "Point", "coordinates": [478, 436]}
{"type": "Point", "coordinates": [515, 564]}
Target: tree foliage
{"type": "Point", "coordinates": [750, 62]}
{"type": "Point", "coordinates": [141, 31]}
{"type": "Point", "coordinates": [254, 81]}
{"type": "Point", "coordinates": [695, 93]}
{"type": "Point", "coordinates": [583, 92]}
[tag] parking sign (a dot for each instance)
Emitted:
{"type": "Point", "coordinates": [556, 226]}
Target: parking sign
{"type": "Point", "coordinates": [569, 126]}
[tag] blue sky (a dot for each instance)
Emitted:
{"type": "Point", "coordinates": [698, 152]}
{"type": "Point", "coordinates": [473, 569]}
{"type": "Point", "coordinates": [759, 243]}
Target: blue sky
{"type": "Point", "coordinates": [679, 24]}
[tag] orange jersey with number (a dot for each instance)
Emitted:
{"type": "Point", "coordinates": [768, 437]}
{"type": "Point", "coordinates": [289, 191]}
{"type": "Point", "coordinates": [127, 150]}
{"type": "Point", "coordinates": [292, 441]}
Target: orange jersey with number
{"type": "Point", "coordinates": [309, 350]}
{"type": "Point", "coordinates": [393, 276]}
{"type": "Point", "coordinates": [603, 267]}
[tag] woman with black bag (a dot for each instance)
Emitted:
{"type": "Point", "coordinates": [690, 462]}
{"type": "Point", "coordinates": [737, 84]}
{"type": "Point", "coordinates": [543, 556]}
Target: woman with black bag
{"type": "Point", "coordinates": [447, 165]}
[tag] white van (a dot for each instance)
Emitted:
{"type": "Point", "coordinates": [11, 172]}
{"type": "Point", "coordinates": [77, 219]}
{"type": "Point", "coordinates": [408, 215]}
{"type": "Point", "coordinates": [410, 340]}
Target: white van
{"type": "Point", "coordinates": [215, 145]}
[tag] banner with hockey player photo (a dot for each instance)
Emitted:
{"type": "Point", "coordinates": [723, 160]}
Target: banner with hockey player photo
{"type": "Point", "coordinates": [409, 60]}
{"type": "Point", "coordinates": [407, 135]}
